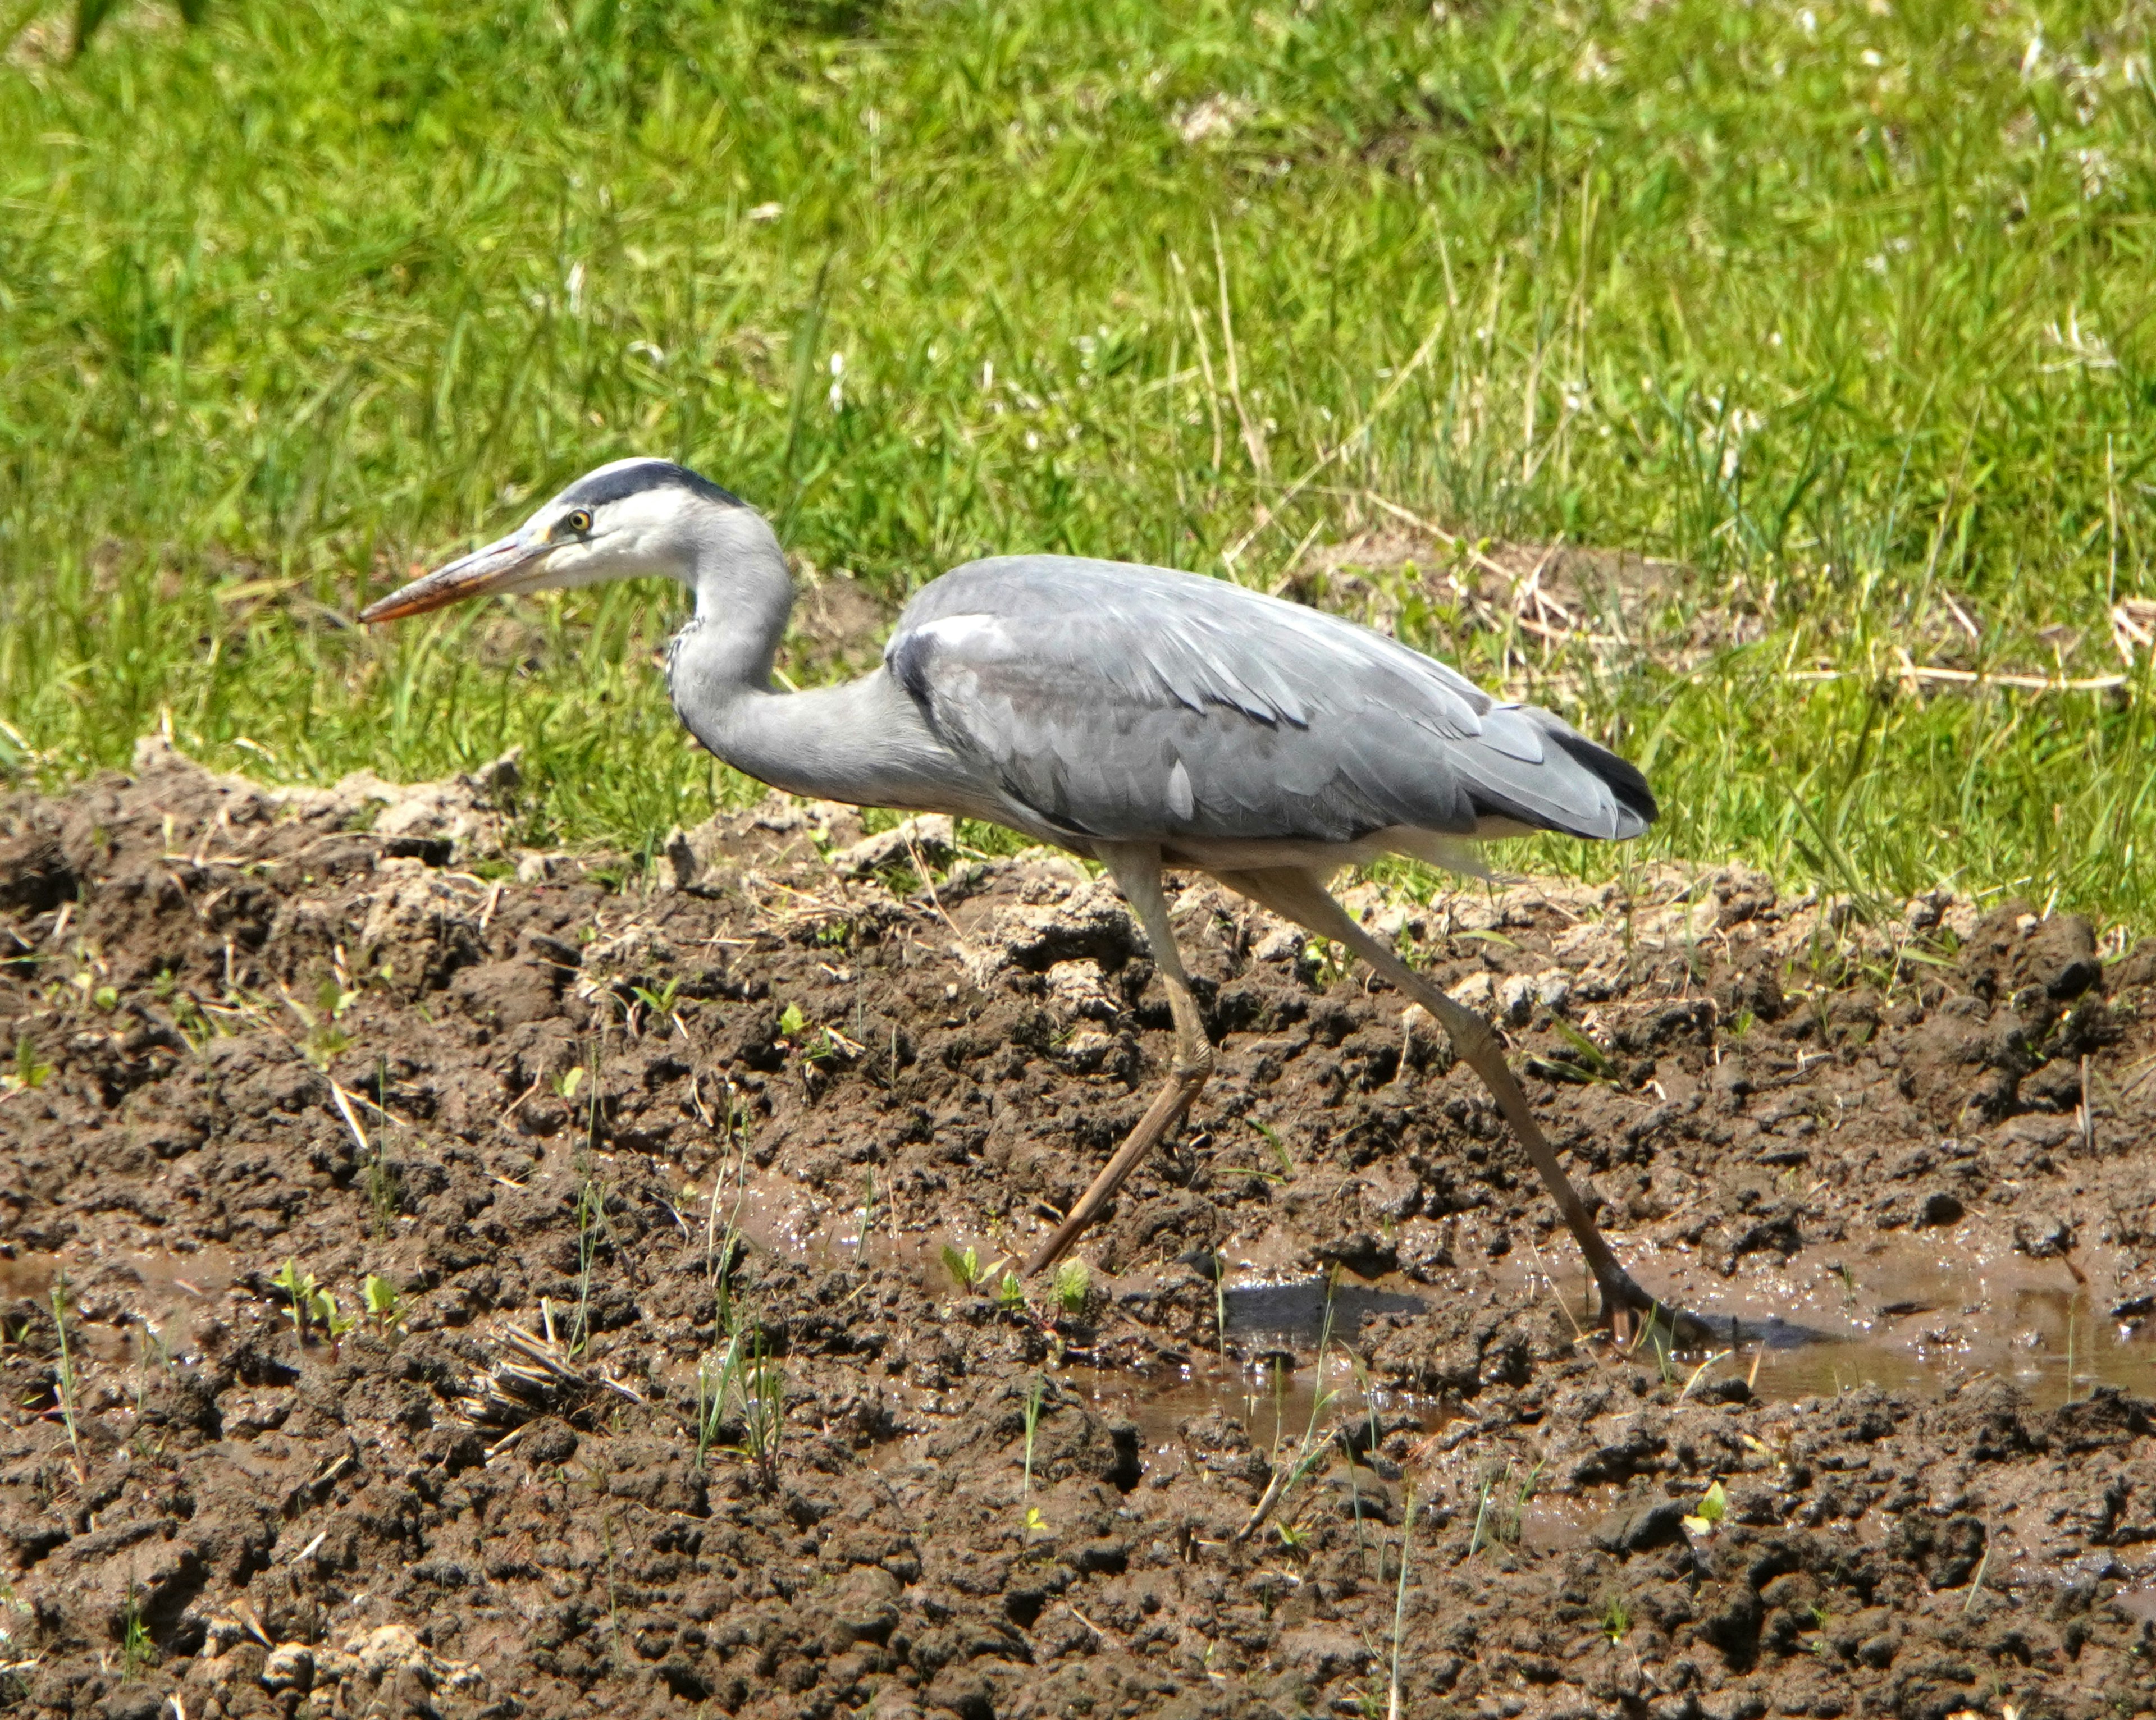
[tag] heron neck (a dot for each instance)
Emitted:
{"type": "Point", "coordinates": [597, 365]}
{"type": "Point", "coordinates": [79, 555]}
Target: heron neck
{"type": "Point", "coordinates": [744, 595]}
{"type": "Point", "coordinates": [864, 741]}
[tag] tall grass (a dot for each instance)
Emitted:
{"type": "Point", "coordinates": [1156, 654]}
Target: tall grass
{"type": "Point", "coordinates": [1845, 308]}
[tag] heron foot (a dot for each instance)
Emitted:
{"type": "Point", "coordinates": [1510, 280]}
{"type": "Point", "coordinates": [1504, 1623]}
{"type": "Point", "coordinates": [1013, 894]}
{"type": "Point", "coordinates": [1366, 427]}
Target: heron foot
{"type": "Point", "coordinates": [1635, 1318]}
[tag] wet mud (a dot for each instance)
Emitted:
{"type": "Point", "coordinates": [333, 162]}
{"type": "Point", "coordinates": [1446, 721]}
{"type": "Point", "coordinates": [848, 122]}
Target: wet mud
{"type": "Point", "coordinates": [438, 1279]}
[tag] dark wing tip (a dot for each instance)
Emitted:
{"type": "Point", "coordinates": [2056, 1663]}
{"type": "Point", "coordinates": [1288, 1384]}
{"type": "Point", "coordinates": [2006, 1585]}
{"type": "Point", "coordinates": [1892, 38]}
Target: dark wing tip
{"type": "Point", "coordinates": [1626, 785]}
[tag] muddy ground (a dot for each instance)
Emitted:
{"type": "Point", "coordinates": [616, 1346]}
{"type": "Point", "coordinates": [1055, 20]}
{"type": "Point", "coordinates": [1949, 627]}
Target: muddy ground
{"type": "Point", "coordinates": [591, 1134]}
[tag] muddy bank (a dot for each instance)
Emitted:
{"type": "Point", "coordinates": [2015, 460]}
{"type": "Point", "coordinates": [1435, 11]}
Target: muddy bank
{"type": "Point", "coordinates": [646, 1385]}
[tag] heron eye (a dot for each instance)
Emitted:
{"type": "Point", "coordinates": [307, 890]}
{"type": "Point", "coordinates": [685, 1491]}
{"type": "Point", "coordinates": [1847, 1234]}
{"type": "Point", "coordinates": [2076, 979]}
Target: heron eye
{"type": "Point", "coordinates": [577, 521]}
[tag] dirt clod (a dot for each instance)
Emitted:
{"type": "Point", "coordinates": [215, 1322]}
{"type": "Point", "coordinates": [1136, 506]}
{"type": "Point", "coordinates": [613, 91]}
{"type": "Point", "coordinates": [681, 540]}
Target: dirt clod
{"type": "Point", "coordinates": [528, 1293]}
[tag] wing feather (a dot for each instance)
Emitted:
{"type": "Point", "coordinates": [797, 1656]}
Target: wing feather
{"type": "Point", "coordinates": [1137, 703]}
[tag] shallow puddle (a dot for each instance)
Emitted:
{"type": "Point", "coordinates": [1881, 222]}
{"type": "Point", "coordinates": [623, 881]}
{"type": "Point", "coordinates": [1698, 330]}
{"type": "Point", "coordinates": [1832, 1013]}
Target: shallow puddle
{"type": "Point", "coordinates": [1903, 1312]}
{"type": "Point", "coordinates": [1908, 1312]}
{"type": "Point", "coordinates": [1918, 1313]}
{"type": "Point", "coordinates": [113, 1295]}
{"type": "Point", "coordinates": [1902, 1315]}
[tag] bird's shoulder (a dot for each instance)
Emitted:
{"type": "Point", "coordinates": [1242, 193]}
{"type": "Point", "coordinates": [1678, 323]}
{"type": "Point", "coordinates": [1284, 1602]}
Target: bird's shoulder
{"type": "Point", "coordinates": [1038, 589]}
{"type": "Point", "coordinates": [1160, 634]}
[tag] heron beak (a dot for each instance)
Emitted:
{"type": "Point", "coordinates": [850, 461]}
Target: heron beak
{"type": "Point", "coordinates": [499, 567]}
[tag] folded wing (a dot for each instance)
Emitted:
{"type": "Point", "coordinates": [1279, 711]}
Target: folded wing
{"type": "Point", "coordinates": [1132, 703]}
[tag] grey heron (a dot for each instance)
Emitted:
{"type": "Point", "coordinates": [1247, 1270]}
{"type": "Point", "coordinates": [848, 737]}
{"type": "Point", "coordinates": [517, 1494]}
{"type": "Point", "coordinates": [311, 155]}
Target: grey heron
{"type": "Point", "coordinates": [1139, 717]}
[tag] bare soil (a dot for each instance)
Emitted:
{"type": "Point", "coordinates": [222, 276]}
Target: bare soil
{"type": "Point", "coordinates": [598, 1134]}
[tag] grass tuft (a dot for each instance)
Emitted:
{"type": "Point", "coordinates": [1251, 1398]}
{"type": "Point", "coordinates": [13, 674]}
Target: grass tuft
{"type": "Point", "coordinates": [1845, 315]}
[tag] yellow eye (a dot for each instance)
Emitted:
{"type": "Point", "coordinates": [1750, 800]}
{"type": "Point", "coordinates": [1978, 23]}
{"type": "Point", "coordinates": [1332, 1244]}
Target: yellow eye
{"type": "Point", "coordinates": [577, 521]}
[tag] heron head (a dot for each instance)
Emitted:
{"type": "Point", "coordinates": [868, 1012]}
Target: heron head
{"type": "Point", "coordinates": [631, 518]}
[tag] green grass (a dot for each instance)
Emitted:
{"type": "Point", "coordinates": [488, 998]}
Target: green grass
{"type": "Point", "coordinates": [1848, 314]}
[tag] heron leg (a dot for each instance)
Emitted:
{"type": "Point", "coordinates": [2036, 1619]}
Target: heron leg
{"type": "Point", "coordinates": [1298, 895]}
{"type": "Point", "coordinates": [1137, 871]}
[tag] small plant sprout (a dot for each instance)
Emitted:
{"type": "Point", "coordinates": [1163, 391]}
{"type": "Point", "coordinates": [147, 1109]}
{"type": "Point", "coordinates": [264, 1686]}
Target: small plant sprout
{"type": "Point", "coordinates": [1073, 1283]}
{"type": "Point", "coordinates": [1035, 1523]}
{"type": "Point", "coordinates": [1699, 1373]}
{"type": "Point", "coordinates": [103, 998]}
{"type": "Point", "coordinates": [565, 1084]}
{"type": "Point", "coordinates": [830, 1046]}
{"type": "Point", "coordinates": [384, 1307]}
{"type": "Point", "coordinates": [1401, 1605]}
{"type": "Point", "coordinates": [1280, 1154]}
{"type": "Point", "coordinates": [299, 1289]}
{"type": "Point", "coordinates": [30, 1071]}
{"type": "Point", "coordinates": [591, 1215]}
{"type": "Point", "coordinates": [1035, 1394]}
{"type": "Point", "coordinates": [378, 1183]}
{"type": "Point", "coordinates": [1616, 1619]}
{"type": "Point", "coordinates": [325, 1040]}
{"type": "Point", "coordinates": [311, 1303]}
{"type": "Point", "coordinates": [137, 1652]}
{"type": "Point", "coordinates": [67, 1381]}
{"type": "Point", "coordinates": [966, 1269]}
{"type": "Point", "coordinates": [662, 1002]}
{"type": "Point", "coordinates": [1594, 1064]}
{"type": "Point", "coordinates": [332, 1319]}
{"type": "Point", "coordinates": [1289, 1470]}
{"type": "Point", "coordinates": [1010, 1293]}
{"type": "Point", "coordinates": [1515, 1527]}
{"type": "Point", "coordinates": [763, 1415]}
{"type": "Point", "coordinates": [711, 1384]}
{"type": "Point", "coordinates": [1713, 1506]}
{"type": "Point", "coordinates": [744, 1388]}
{"type": "Point", "coordinates": [792, 1023]}
{"type": "Point", "coordinates": [1481, 1516]}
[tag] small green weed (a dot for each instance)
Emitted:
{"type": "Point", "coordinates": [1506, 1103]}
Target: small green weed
{"type": "Point", "coordinates": [1400, 1601]}
{"type": "Point", "coordinates": [763, 1414]}
{"type": "Point", "coordinates": [712, 1386]}
{"type": "Point", "coordinates": [1282, 1157]}
{"type": "Point", "coordinates": [590, 1219]}
{"type": "Point", "coordinates": [1033, 1395]}
{"type": "Point", "coordinates": [67, 1382]}
{"type": "Point", "coordinates": [1073, 1283]}
{"type": "Point", "coordinates": [965, 1269]}
{"type": "Point", "coordinates": [138, 1653]}
{"type": "Point", "coordinates": [661, 1002]}
{"type": "Point", "coordinates": [311, 1304]}
{"type": "Point", "coordinates": [384, 1307]}
{"type": "Point", "coordinates": [747, 1388]}
{"type": "Point", "coordinates": [379, 1188]}
{"type": "Point", "coordinates": [30, 1071]}
{"type": "Point", "coordinates": [1713, 1506]}
{"type": "Point", "coordinates": [325, 1040]}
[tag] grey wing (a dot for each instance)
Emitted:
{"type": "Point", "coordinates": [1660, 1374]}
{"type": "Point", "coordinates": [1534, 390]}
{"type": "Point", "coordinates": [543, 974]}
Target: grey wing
{"type": "Point", "coordinates": [1133, 703]}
